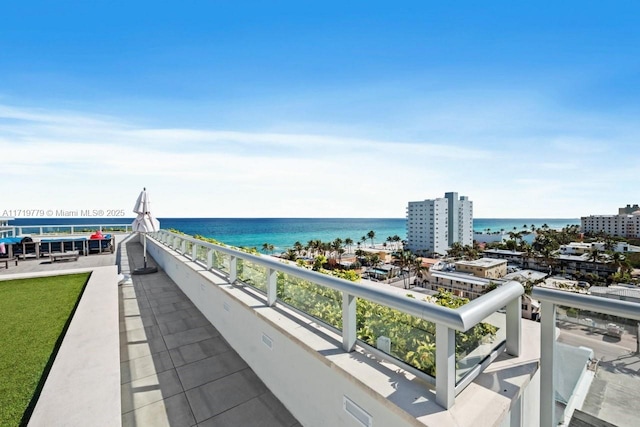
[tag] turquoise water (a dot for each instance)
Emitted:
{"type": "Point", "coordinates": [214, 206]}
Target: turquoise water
{"type": "Point", "coordinates": [284, 232]}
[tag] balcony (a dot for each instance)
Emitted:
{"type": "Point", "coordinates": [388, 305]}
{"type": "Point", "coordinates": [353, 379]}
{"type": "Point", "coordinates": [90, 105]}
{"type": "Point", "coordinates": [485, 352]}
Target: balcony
{"type": "Point", "coordinates": [610, 360]}
{"type": "Point", "coordinates": [402, 357]}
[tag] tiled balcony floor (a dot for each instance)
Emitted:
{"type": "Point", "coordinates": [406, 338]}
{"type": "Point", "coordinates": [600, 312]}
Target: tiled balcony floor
{"type": "Point", "coordinates": [176, 368]}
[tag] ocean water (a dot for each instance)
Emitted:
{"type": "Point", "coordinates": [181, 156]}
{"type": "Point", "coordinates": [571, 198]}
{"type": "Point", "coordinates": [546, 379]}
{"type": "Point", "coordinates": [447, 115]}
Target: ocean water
{"type": "Point", "coordinates": [284, 232]}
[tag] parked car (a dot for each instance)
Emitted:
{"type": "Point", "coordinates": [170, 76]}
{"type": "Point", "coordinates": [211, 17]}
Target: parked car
{"type": "Point", "coordinates": [614, 330]}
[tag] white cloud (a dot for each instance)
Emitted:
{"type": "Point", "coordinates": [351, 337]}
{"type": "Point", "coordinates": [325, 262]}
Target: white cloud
{"type": "Point", "coordinates": [71, 161]}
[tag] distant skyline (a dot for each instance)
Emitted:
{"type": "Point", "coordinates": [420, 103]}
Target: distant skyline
{"type": "Point", "coordinates": [287, 109]}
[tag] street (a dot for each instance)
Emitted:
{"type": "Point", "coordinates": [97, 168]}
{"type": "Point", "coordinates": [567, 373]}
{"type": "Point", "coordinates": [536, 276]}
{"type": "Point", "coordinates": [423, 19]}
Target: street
{"type": "Point", "coordinates": [615, 389]}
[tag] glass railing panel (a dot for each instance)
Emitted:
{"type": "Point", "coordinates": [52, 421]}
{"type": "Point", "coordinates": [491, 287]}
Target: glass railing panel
{"type": "Point", "coordinates": [598, 368]}
{"type": "Point", "coordinates": [115, 228]}
{"type": "Point", "coordinates": [315, 300]}
{"type": "Point", "coordinates": [221, 262]}
{"type": "Point", "coordinates": [188, 246]}
{"type": "Point", "coordinates": [201, 254]}
{"type": "Point", "coordinates": [252, 274]}
{"type": "Point", "coordinates": [30, 230]}
{"type": "Point", "coordinates": [476, 344]}
{"type": "Point", "coordinates": [400, 335]}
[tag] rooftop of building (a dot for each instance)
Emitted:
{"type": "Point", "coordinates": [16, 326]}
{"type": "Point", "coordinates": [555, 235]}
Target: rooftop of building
{"type": "Point", "coordinates": [484, 402]}
{"type": "Point", "coordinates": [503, 252]}
{"type": "Point", "coordinates": [464, 277]}
{"type": "Point", "coordinates": [482, 262]}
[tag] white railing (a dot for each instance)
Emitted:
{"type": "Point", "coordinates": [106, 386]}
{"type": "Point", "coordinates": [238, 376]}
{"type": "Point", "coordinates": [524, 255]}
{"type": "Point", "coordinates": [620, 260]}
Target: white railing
{"type": "Point", "coordinates": [20, 230]}
{"type": "Point", "coordinates": [447, 320]}
{"type": "Point", "coordinates": [551, 298]}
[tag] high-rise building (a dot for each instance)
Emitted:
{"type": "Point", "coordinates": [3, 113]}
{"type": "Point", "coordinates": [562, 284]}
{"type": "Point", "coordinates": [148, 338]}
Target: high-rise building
{"type": "Point", "coordinates": [434, 225]}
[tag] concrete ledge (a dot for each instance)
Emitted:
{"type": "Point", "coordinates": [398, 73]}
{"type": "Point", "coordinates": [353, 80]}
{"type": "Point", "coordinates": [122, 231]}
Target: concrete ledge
{"type": "Point", "coordinates": [83, 386]}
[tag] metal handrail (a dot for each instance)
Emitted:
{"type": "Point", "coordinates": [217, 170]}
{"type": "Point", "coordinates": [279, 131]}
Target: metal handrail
{"type": "Point", "coordinates": [595, 303]}
{"type": "Point", "coordinates": [460, 319]}
{"type": "Point", "coordinates": [18, 229]}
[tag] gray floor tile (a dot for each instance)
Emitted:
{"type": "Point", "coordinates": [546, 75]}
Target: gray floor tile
{"type": "Point", "coordinates": [141, 367]}
{"type": "Point", "coordinates": [262, 411]}
{"type": "Point", "coordinates": [153, 388]}
{"type": "Point", "coordinates": [221, 395]}
{"type": "Point", "coordinates": [138, 349]}
{"type": "Point", "coordinates": [157, 302]}
{"type": "Point", "coordinates": [168, 308]}
{"type": "Point", "coordinates": [173, 316]}
{"type": "Point", "coordinates": [201, 372]}
{"type": "Point", "coordinates": [181, 325]}
{"type": "Point", "coordinates": [197, 351]}
{"type": "Point", "coordinates": [190, 336]}
{"type": "Point", "coordinates": [171, 412]}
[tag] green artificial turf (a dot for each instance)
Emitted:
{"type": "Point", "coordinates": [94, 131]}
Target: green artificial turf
{"type": "Point", "coordinates": [33, 316]}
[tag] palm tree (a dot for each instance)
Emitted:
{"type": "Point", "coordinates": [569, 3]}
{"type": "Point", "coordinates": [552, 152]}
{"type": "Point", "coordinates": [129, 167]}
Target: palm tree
{"type": "Point", "coordinates": [298, 247]}
{"type": "Point", "coordinates": [363, 239]}
{"type": "Point", "coordinates": [371, 234]}
{"type": "Point", "coordinates": [265, 247]}
{"type": "Point", "coordinates": [291, 254]}
{"type": "Point", "coordinates": [418, 268]}
{"type": "Point", "coordinates": [456, 250]}
{"type": "Point", "coordinates": [348, 243]}
{"type": "Point", "coordinates": [406, 260]}
{"type": "Point", "coordinates": [389, 239]}
{"type": "Point", "coordinates": [396, 240]}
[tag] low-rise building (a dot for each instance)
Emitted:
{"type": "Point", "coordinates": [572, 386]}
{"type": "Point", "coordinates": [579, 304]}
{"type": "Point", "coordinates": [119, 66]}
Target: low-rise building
{"type": "Point", "coordinates": [621, 292]}
{"type": "Point", "coordinates": [487, 268]}
{"type": "Point", "coordinates": [460, 284]}
{"type": "Point", "coordinates": [515, 257]}
{"type": "Point", "coordinates": [576, 248]}
{"type": "Point", "coordinates": [580, 248]}
{"type": "Point", "coordinates": [530, 308]}
{"type": "Point", "coordinates": [559, 263]}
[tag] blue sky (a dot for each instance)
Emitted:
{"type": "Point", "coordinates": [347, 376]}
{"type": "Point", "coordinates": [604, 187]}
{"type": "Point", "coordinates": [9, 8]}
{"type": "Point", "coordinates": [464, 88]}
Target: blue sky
{"type": "Point", "coordinates": [324, 109]}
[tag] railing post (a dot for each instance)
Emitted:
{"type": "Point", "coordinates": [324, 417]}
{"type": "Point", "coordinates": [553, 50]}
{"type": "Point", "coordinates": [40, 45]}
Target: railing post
{"type": "Point", "coordinates": [233, 268]}
{"type": "Point", "coordinates": [194, 252]}
{"type": "Point", "coordinates": [272, 286]}
{"type": "Point", "coordinates": [547, 360]}
{"type": "Point", "coordinates": [445, 366]}
{"type": "Point", "coordinates": [209, 259]}
{"type": "Point", "coordinates": [514, 327]}
{"type": "Point", "coordinates": [183, 247]}
{"type": "Point", "coordinates": [348, 321]}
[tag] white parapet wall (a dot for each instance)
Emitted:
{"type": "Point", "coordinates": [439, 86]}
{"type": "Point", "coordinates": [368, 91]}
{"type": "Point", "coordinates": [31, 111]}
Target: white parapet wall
{"type": "Point", "coordinates": [303, 363]}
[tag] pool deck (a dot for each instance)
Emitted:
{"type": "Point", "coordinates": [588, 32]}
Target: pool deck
{"type": "Point", "coordinates": [175, 367]}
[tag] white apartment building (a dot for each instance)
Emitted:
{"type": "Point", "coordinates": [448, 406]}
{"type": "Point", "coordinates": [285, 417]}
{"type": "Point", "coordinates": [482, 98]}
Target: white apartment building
{"type": "Point", "coordinates": [622, 225]}
{"type": "Point", "coordinates": [434, 225]}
